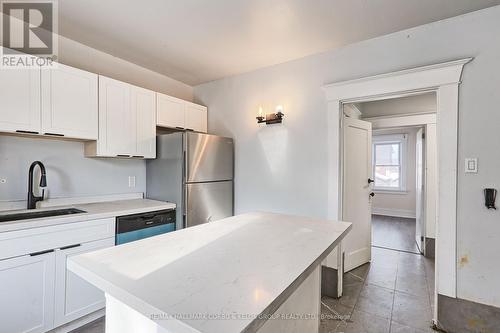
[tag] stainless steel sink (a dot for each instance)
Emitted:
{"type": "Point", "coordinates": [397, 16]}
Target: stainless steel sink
{"type": "Point", "coordinates": [36, 215]}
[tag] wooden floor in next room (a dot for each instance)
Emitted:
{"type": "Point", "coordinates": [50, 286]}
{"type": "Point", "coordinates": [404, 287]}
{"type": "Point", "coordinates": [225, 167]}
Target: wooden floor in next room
{"type": "Point", "coordinates": [395, 233]}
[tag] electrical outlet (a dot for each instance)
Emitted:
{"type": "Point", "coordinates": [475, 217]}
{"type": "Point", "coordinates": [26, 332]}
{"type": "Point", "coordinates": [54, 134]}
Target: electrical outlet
{"type": "Point", "coordinates": [131, 181]}
{"type": "Point", "coordinates": [471, 165]}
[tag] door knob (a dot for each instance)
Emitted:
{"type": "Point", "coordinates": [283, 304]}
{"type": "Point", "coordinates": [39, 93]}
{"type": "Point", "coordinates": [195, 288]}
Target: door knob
{"type": "Point", "coordinates": [370, 181]}
{"type": "Point", "coordinates": [372, 194]}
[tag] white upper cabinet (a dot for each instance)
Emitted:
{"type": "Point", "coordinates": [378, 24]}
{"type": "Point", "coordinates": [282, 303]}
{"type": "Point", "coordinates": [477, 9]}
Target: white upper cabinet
{"type": "Point", "coordinates": [143, 105]}
{"type": "Point", "coordinates": [196, 117]}
{"type": "Point", "coordinates": [69, 103]}
{"type": "Point", "coordinates": [127, 121]}
{"type": "Point", "coordinates": [117, 124]}
{"type": "Point", "coordinates": [20, 100]}
{"type": "Point", "coordinates": [176, 113]}
{"type": "Point", "coordinates": [170, 111]}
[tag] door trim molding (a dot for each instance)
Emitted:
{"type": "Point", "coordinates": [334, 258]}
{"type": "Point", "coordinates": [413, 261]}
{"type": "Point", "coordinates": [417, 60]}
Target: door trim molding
{"type": "Point", "coordinates": [443, 79]}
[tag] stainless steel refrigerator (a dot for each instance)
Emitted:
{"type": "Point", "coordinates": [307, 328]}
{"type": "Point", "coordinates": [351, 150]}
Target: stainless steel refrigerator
{"type": "Point", "coordinates": [195, 171]}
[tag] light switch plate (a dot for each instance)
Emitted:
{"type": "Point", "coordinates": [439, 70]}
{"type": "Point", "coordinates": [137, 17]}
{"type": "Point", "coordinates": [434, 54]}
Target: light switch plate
{"type": "Point", "coordinates": [471, 165]}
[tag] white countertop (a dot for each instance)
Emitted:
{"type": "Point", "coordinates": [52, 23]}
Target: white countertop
{"type": "Point", "coordinates": [242, 266]}
{"type": "Point", "coordinates": [93, 211]}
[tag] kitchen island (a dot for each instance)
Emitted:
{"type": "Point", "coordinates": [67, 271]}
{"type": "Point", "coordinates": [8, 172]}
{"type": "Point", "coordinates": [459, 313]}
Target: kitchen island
{"type": "Point", "coordinates": [256, 272]}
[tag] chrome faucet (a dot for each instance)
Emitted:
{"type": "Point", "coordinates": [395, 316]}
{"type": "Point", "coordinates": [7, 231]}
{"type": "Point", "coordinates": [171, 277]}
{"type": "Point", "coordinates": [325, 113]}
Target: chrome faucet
{"type": "Point", "coordinates": [32, 199]}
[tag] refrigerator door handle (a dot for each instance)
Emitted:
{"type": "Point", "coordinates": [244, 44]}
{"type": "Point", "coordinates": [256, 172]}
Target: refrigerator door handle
{"type": "Point", "coordinates": [185, 205]}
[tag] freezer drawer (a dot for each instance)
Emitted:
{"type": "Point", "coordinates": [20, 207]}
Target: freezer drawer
{"type": "Point", "coordinates": [207, 202]}
{"type": "Point", "coordinates": [208, 158]}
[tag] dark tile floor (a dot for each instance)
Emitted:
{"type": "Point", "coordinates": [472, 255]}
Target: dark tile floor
{"type": "Point", "coordinates": [392, 294]}
{"type": "Point", "coordinates": [396, 233]}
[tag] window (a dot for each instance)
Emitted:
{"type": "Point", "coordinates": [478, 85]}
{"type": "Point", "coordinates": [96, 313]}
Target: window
{"type": "Point", "coordinates": [389, 152]}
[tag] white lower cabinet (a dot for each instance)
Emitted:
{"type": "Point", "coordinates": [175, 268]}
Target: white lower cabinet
{"type": "Point", "coordinates": [37, 292]}
{"type": "Point", "coordinates": [75, 297]}
{"type": "Point", "coordinates": [27, 293]}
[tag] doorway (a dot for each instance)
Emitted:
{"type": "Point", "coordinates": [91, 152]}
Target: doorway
{"type": "Point", "coordinates": [402, 174]}
{"type": "Point", "coordinates": [443, 79]}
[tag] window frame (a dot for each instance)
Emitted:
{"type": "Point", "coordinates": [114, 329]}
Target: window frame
{"type": "Point", "coordinates": [384, 139]}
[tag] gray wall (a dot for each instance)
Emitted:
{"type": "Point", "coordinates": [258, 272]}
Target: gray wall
{"type": "Point", "coordinates": [424, 103]}
{"type": "Point", "coordinates": [284, 168]}
{"type": "Point", "coordinates": [69, 174]}
{"type": "Point", "coordinates": [81, 56]}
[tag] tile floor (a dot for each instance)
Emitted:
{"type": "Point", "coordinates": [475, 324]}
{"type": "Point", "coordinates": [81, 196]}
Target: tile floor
{"type": "Point", "coordinates": [392, 294]}
{"type": "Point", "coordinates": [394, 233]}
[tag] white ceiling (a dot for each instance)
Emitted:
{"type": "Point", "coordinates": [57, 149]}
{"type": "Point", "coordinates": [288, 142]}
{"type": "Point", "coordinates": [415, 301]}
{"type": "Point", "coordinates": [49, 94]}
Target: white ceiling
{"type": "Point", "coordinates": [196, 41]}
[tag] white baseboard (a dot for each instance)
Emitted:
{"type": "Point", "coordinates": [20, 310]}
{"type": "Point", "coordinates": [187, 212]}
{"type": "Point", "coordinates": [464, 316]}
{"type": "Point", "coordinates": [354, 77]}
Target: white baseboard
{"type": "Point", "coordinates": [394, 212]}
{"type": "Point", "coordinates": [79, 322]}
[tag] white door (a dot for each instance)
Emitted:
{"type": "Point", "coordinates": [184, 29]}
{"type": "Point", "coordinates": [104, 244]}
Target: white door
{"type": "Point", "coordinates": [143, 105]}
{"type": "Point", "coordinates": [196, 117]}
{"type": "Point", "coordinates": [117, 123]}
{"type": "Point", "coordinates": [356, 199]}
{"type": "Point", "coordinates": [69, 103]}
{"type": "Point", "coordinates": [27, 292]}
{"type": "Point", "coordinates": [170, 111]}
{"type": "Point", "coordinates": [20, 100]}
{"type": "Point", "coordinates": [420, 206]}
{"type": "Point", "coordinates": [76, 297]}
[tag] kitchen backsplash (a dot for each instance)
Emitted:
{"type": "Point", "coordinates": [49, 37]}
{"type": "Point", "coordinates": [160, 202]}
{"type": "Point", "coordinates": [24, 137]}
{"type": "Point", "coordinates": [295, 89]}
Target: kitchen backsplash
{"type": "Point", "coordinates": [69, 173]}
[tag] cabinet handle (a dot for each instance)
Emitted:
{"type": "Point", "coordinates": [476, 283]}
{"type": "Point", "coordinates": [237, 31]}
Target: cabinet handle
{"type": "Point", "coordinates": [178, 127]}
{"type": "Point", "coordinates": [138, 156]}
{"type": "Point", "coordinates": [54, 134]}
{"type": "Point", "coordinates": [40, 253]}
{"type": "Point", "coordinates": [190, 129]}
{"type": "Point", "coordinates": [27, 132]}
{"type": "Point", "coordinates": [119, 155]}
{"type": "Point", "coordinates": [69, 247]}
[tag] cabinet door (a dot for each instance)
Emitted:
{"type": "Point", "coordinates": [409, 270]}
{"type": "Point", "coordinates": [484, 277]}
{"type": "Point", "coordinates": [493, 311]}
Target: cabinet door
{"type": "Point", "coordinates": [143, 105]}
{"type": "Point", "coordinates": [69, 103]}
{"type": "Point", "coordinates": [117, 123]}
{"type": "Point", "coordinates": [27, 289]}
{"type": "Point", "coordinates": [74, 296]}
{"type": "Point", "coordinates": [196, 117]}
{"type": "Point", "coordinates": [170, 111]}
{"type": "Point", "coordinates": [20, 100]}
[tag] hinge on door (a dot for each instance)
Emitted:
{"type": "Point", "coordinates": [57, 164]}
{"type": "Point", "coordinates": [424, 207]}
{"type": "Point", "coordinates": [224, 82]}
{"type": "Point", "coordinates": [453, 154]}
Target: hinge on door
{"type": "Point", "coordinates": [421, 238]}
{"type": "Point", "coordinates": [423, 135]}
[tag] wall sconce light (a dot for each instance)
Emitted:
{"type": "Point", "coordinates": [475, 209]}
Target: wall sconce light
{"type": "Point", "coordinates": [271, 118]}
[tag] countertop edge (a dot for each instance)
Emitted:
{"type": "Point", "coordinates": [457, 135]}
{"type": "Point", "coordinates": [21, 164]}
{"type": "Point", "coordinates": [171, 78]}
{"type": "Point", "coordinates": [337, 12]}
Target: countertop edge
{"type": "Point", "coordinates": [58, 220]}
{"type": "Point", "coordinates": [127, 298]}
{"type": "Point", "coordinates": [144, 308]}
{"type": "Point", "coordinates": [257, 323]}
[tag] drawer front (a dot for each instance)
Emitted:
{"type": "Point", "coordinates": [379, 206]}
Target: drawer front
{"type": "Point", "coordinates": [22, 242]}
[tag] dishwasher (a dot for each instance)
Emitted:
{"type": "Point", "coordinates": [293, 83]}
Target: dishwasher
{"type": "Point", "coordinates": [130, 228]}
